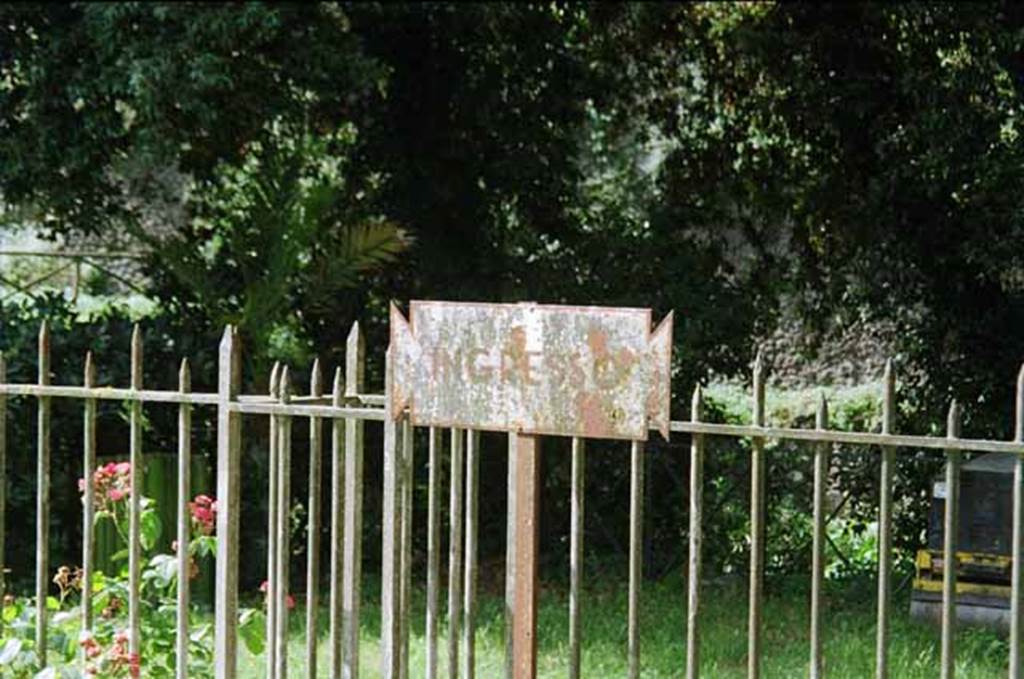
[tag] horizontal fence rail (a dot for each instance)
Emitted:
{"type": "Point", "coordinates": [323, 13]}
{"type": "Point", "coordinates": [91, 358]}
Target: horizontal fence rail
{"type": "Point", "coordinates": [340, 416]}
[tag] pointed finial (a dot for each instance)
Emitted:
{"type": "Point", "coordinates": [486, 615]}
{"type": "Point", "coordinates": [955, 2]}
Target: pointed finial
{"type": "Point", "coordinates": [285, 386]}
{"type": "Point", "coordinates": [821, 418]}
{"type": "Point", "coordinates": [316, 379]}
{"type": "Point", "coordinates": [759, 389]}
{"type": "Point", "coordinates": [338, 387]}
{"type": "Point", "coordinates": [136, 357]}
{"type": "Point", "coordinates": [888, 397]}
{"type": "Point", "coordinates": [184, 376]}
{"type": "Point", "coordinates": [355, 365]}
{"type": "Point", "coordinates": [953, 420]}
{"type": "Point", "coordinates": [44, 352]}
{"type": "Point", "coordinates": [275, 379]}
{"type": "Point", "coordinates": [90, 371]}
{"type": "Point", "coordinates": [696, 403]}
{"type": "Point", "coordinates": [228, 337]}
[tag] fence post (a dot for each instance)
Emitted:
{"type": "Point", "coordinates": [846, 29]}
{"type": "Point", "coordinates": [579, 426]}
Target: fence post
{"type": "Point", "coordinates": [351, 591]}
{"type": "Point", "coordinates": [636, 562]}
{"type": "Point", "coordinates": [510, 556]}
{"type": "Point", "coordinates": [3, 478]}
{"type": "Point", "coordinates": [577, 495]}
{"type": "Point", "coordinates": [284, 500]}
{"type": "Point", "coordinates": [1016, 584]}
{"type": "Point", "coordinates": [135, 502]}
{"type": "Point", "coordinates": [470, 570]}
{"type": "Point", "coordinates": [757, 502]}
{"type": "Point", "coordinates": [527, 488]}
{"type": "Point", "coordinates": [337, 526]}
{"type": "Point", "coordinates": [184, 520]}
{"type": "Point", "coordinates": [229, 446]}
{"type": "Point", "coordinates": [89, 492]}
{"type": "Point", "coordinates": [950, 529]}
{"type": "Point", "coordinates": [391, 547]}
{"type": "Point", "coordinates": [316, 429]}
{"type": "Point", "coordinates": [43, 496]}
{"type": "Point", "coordinates": [455, 517]}
{"type": "Point", "coordinates": [270, 596]}
{"type": "Point", "coordinates": [696, 540]}
{"type": "Point", "coordinates": [885, 525]}
{"type": "Point", "coordinates": [405, 564]}
{"type": "Point", "coordinates": [433, 549]}
{"type": "Point", "coordinates": [818, 555]}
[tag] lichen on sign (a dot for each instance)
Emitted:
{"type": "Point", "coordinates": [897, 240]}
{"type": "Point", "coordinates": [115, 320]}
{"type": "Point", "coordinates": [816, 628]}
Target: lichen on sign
{"type": "Point", "coordinates": [596, 372]}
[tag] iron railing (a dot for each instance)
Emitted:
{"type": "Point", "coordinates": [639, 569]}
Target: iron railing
{"type": "Point", "coordinates": [346, 410]}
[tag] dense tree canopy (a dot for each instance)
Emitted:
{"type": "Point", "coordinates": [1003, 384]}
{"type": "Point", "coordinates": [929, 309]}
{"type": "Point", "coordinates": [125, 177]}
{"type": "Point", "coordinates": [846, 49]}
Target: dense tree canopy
{"type": "Point", "coordinates": [291, 167]}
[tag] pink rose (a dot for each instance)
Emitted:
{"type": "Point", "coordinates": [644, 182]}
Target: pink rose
{"type": "Point", "coordinates": [115, 494]}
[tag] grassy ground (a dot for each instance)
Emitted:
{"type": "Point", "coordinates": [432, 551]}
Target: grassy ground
{"type": "Point", "coordinates": [849, 636]}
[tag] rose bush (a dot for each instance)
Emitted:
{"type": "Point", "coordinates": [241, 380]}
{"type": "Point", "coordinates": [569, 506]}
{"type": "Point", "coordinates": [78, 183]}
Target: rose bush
{"type": "Point", "coordinates": [76, 654]}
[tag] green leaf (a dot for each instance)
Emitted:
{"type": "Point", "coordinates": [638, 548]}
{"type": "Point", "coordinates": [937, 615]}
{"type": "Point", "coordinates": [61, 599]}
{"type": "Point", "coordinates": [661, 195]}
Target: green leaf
{"type": "Point", "coordinates": [150, 527]}
{"type": "Point", "coordinates": [162, 570]}
{"type": "Point", "coordinates": [11, 612]}
{"type": "Point", "coordinates": [252, 628]}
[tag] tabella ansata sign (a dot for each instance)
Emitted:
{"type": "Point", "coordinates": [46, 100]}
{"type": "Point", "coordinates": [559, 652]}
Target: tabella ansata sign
{"type": "Point", "coordinates": [595, 372]}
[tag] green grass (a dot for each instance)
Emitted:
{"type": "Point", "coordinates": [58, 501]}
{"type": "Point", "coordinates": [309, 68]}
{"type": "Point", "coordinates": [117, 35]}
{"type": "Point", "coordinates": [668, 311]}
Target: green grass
{"type": "Point", "coordinates": [849, 635]}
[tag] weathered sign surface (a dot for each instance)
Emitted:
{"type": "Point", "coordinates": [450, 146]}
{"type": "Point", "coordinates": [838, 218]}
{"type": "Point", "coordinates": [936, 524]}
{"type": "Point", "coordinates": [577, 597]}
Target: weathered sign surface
{"type": "Point", "coordinates": [596, 372]}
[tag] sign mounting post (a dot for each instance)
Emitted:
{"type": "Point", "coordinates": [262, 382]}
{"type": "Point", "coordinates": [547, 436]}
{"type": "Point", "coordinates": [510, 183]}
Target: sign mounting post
{"type": "Point", "coordinates": [534, 370]}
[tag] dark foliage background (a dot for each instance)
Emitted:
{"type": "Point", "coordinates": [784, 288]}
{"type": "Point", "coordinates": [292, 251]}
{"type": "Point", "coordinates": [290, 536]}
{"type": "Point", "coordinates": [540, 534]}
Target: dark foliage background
{"type": "Point", "coordinates": [291, 168]}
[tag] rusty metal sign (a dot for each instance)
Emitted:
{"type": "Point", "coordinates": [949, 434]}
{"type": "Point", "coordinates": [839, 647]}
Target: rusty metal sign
{"type": "Point", "coordinates": [596, 372]}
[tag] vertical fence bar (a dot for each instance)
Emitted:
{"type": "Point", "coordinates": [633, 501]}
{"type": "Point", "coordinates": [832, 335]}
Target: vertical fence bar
{"type": "Point", "coordinates": [406, 563]}
{"type": "Point", "coordinates": [135, 503]}
{"type": "Point", "coordinates": [229, 446]}
{"type": "Point", "coordinates": [337, 528]}
{"type": "Point", "coordinates": [510, 556]}
{"type": "Point", "coordinates": [455, 552]}
{"type": "Point", "coordinates": [527, 505]}
{"type": "Point", "coordinates": [284, 501]}
{"type": "Point", "coordinates": [89, 496]}
{"type": "Point", "coordinates": [42, 496]}
{"type": "Point", "coordinates": [3, 482]}
{"type": "Point", "coordinates": [950, 528]}
{"type": "Point", "coordinates": [757, 502]}
{"type": "Point", "coordinates": [316, 434]}
{"type": "Point", "coordinates": [1016, 584]}
{"type": "Point", "coordinates": [888, 468]}
{"type": "Point", "coordinates": [636, 522]}
{"type": "Point", "coordinates": [272, 526]}
{"type": "Point", "coordinates": [352, 566]}
{"type": "Point", "coordinates": [576, 552]}
{"type": "Point", "coordinates": [696, 540]}
{"type": "Point", "coordinates": [184, 519]}
{"type": "Point", "coordinates": [821, 452]}
{"type": "Point", "coordinates": [391, 530]}
{"type": "Point", "coordinates": [433, 550]}
{"type": "Point", "coordinates": [472, 527]}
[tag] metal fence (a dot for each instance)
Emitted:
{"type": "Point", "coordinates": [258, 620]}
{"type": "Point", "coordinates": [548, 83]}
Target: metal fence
{"type": "Point", "coordinates": [345, 411]}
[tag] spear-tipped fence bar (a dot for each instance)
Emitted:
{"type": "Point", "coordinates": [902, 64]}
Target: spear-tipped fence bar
{"type": "Point", "coordinates": [348, 410]}
{"type": "Point", "coordinates": [184, 521]}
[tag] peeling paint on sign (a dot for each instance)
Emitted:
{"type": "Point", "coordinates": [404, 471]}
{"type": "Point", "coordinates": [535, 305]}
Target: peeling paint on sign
{"type": "Point", "coordinates": [596, 372]}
